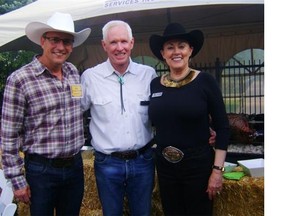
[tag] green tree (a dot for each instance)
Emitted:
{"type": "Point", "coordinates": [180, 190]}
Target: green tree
{"type": "Point", "coordinates": [11, 61]}
{"type": "Point", "coordinates": [10, 5]}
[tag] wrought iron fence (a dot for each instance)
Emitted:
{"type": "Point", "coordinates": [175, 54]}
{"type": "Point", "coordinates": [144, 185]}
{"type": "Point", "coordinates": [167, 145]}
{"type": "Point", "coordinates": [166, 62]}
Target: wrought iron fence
{"type": "Point", "coordinates": [242, 84]}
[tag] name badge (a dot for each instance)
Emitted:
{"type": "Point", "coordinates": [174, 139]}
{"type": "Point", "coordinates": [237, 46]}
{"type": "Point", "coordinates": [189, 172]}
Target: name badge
{"type": "Point", "coordinates": [76, 91]}
{"type": "Point", "coordinates": [157, 94]}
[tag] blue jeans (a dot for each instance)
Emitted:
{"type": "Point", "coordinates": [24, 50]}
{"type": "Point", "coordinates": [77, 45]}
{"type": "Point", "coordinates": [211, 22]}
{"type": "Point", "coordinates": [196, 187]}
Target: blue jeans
{"type": "Point", "coordinates": [52, 188]}
{"type": "Point", "coordinates": [117, 178]}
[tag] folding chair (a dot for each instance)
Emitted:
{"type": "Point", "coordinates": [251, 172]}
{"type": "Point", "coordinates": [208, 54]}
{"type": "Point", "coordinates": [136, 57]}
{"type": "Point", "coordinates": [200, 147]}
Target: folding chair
{"type": "Point", "coordinates": [7, 208]}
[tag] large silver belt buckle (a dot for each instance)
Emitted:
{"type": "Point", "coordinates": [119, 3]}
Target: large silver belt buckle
{"type": "Point", "coordinates": [172, 154]}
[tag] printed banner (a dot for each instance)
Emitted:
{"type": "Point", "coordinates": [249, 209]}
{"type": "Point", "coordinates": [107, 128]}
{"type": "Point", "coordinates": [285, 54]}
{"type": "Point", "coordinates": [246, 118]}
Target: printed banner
{"type": "Point", "coordinates": [125, 3]}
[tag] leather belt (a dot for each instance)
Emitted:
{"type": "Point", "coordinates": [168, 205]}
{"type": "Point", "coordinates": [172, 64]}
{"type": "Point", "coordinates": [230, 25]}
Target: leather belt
{"type": "Point", "coordinates": [132, 154]}
{"type": "Point", "coordinates": [54, 162]}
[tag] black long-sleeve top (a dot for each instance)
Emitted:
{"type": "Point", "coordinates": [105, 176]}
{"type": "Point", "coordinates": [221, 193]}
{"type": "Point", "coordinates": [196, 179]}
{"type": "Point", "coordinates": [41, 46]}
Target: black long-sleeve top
{"type": "Point", "coordinates": [181, 115]}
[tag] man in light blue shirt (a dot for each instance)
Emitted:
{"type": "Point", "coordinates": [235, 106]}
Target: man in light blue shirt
{"type": "Point", "coordinates": [117, 94]}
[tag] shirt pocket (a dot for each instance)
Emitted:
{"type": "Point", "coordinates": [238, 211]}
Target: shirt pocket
{"type": "Point", "coordinates": [142, 108]}
{"type": "Point", "coordinates": [143, 104]}
{"type": "Point", "coordinates": [103, 108]}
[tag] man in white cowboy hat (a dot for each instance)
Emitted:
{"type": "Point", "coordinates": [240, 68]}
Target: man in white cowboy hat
{"type": "Point", "coordinates": [42, 117]}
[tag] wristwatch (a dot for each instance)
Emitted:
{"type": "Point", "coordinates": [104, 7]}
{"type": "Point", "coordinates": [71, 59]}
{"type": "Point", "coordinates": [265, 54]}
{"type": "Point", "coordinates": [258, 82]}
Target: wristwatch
{"type": "Point", "coordinates": [218, 168]}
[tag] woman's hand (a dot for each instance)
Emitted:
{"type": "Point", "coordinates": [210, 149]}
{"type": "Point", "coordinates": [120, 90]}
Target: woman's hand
{"type": "Point", "coordinates": [215, 183]}
{"type": "Point", "coordinates": [212, 138]}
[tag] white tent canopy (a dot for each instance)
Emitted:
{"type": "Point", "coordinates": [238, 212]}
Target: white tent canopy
{"type": "Point", "coordinates": [229, 25]}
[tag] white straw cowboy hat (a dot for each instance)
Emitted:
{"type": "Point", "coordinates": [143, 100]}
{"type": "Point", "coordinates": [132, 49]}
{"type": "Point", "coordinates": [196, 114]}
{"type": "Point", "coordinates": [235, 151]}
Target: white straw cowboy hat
{"type": "Point", "coordinates": [58, 22]}
{"type": "Point", "coordinates": [176, 31]}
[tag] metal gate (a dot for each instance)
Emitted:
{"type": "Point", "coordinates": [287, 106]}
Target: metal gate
{"type": "Point", "coordinates": [242, 84]}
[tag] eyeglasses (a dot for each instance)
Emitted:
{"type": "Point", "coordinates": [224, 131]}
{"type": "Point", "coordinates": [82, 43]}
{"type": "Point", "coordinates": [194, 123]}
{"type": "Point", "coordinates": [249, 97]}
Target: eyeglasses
{"type": "Point", "coordinates": [56, 40]}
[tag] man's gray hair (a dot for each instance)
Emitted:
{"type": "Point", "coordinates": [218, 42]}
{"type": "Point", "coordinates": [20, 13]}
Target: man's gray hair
{"type": "Point", "coordinates": [114, 23]}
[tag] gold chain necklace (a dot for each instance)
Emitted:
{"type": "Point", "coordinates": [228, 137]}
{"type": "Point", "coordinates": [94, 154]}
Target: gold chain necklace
{"type": "Point", "coordinates": [168, 82]}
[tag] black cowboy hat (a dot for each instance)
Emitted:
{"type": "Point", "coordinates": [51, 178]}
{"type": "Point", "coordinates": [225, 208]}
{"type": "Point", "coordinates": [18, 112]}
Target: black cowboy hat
{"type": "Point", "coordinates": [176, 31]}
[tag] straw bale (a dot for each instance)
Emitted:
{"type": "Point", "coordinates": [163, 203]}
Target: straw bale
{"type": "Point", "coordinates": [156, 201]}
{"type": "Point", "coordinates": [241, 198]}
{"type": "Point", "coordinates": [22, 209]}
{"type": "Point", "coordinates": [91, 204]}
{"type": "Point", "coordinates": [90, 200]}
{"type": "Point", "coordinates": [87, 155]}
{"type": "Point", "coordinates": [238, 198]}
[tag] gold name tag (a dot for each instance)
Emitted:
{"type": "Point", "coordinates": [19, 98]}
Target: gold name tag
{"type": "Point", "coordinates": [76, 91]}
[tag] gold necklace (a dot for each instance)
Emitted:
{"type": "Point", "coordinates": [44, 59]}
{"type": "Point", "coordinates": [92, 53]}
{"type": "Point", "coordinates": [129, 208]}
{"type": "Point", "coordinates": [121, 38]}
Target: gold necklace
{"type": "Point", "coordinates": [168, 82]}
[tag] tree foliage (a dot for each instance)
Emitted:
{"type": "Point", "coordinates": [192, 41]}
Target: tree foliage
{"type": "Point", "coordinates": [10, 5]}
{"type": "Point", "coordinates": [11, 61]}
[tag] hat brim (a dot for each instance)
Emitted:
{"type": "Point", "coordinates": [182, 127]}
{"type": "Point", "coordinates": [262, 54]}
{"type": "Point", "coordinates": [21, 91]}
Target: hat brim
{"type": "Point", "coordinates": [195, 38]}
{"type": "Point", "coordinates": [35, 30]}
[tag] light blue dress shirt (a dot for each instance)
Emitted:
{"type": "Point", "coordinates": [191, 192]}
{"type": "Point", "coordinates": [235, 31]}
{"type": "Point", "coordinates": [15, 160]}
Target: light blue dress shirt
{"type": "Point", "coordinates": [118, 124]}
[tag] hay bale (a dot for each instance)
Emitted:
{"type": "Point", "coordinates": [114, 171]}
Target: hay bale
{"type": "Point", "coordinates": [90, 203]}
{"type": "Point", "coordinates": [22, 209]}
{"type": "Point", "coordinates": [238, 198]}
{"type": "Point", "coordinates": [156, 201]}
{"type": "Point", "coordinates": [87, 155]}
{"type": "Point", "coordinates": [241, 198]}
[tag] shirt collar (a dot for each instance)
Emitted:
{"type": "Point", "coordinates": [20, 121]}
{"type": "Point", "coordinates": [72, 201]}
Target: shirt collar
{"type": "Point", "coordinates": [40, 68]}
{"type": "Point", "coordinates": [112, 70]}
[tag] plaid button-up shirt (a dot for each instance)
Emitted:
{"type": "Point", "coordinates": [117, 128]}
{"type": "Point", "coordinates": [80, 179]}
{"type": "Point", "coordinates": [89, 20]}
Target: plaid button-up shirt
{"type": "Point", "coordinates": [41, 116]}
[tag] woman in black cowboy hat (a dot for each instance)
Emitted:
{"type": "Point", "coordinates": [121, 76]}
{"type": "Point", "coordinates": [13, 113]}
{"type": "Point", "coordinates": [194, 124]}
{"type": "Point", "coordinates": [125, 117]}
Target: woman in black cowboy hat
{"type": "Point", "coordinates": [189, 169]}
